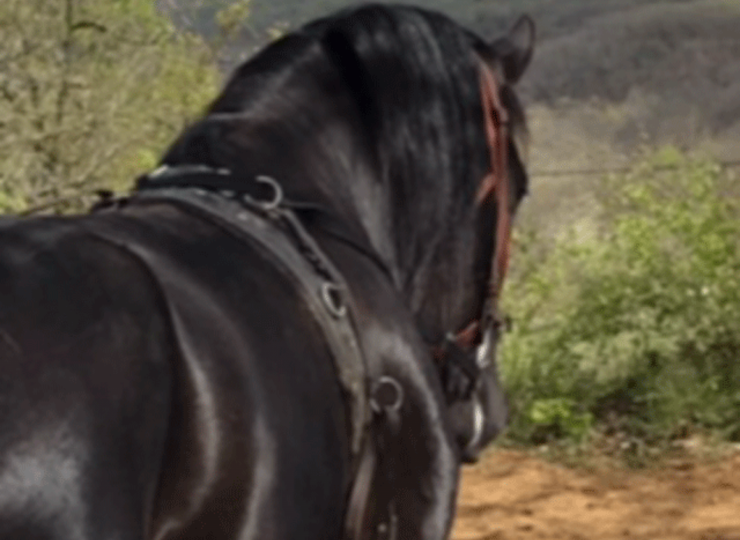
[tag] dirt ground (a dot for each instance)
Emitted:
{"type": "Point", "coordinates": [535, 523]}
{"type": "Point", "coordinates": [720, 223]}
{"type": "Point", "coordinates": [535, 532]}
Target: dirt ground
{"type": "Point", "coordinates": [514, 496]}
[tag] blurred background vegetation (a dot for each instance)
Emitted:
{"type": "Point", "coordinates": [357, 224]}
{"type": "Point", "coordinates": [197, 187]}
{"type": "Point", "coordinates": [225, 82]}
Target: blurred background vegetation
{"type": "Point", "coordinates": [624, 295]}
{"type": "Point", "coordinates": [632, 330]}
{"type": "Point", "coordinates": [90, 93]}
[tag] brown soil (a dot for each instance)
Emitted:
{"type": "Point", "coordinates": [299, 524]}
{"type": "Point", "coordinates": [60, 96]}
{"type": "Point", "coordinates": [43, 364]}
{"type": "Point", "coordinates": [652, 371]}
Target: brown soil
{"type": "Point", "coordinates": [514, 496]}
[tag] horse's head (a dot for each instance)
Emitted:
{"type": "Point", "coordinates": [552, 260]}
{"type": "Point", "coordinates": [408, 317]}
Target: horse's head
{"type": "Point", "coordinates": [478, 407]}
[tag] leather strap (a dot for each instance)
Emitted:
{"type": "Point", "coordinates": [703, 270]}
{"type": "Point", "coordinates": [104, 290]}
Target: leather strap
{"type": "Point", "coordinates": [279, 232]}
{"type": "Point", "coordinates": [496, 120]}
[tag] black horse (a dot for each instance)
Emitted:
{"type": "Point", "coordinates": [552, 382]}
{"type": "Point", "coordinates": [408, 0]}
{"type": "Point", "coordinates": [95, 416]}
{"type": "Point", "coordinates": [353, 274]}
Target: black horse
{"type": "Point", "coordinates": [274, 336]}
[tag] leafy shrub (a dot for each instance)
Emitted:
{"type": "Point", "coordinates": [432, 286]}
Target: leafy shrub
{"type": "Point", "coordinates": [90, 93]}
{"type": "Point", "coordinates": [636, 327]}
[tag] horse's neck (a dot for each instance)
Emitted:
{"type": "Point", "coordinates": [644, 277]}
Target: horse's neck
{"type": "Point", "coordinates": [327, 162]}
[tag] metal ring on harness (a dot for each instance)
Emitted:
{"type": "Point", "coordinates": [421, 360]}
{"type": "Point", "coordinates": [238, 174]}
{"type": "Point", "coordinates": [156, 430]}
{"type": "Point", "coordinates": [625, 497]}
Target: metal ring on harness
{"type": "Point", "coordinates": [386, 395]}
{"type": "Point", "coordinates": [331, 295]}
{"type": "Point", "coordinates": [277, 197]}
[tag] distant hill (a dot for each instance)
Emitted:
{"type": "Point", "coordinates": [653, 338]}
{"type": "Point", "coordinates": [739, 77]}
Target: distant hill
{"type": "Point", "coordinates": [609, 77]}
{"type": "Point", "coordinates": [671, 68]}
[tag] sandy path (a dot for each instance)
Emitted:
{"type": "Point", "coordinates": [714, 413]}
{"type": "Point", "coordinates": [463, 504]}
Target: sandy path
{"type": "Point", "coordinates": [512, 496]}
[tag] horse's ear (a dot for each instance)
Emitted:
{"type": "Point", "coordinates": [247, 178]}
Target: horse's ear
{"type": "Point", "coordinates": [514, 50]}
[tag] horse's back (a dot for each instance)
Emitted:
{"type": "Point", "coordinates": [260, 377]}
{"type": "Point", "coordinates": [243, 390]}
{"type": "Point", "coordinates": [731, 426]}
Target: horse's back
{"type": "Point", "coordinates": [84, 384]}
{"type": "Point", "coordinates": [258, 398]}
{"type": "Point", "coordinates": [184, 365]}
{"type": "Point", "coordinates": [257, 404]}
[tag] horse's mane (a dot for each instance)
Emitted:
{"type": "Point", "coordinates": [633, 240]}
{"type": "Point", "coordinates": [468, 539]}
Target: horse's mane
{"type": "Point", "coordinates": [410, 77]}
{"type": "Point", "coordinates": [415, 74]}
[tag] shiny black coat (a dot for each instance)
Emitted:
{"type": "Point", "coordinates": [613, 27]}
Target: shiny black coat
{"type": "Point", "coordinates": [160, 373]}
{"type": "Point", "coordinates": [159, 379]}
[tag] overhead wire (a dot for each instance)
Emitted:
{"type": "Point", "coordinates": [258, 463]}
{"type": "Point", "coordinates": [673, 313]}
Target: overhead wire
{"type": "Point", "coordinates": [601, 171]}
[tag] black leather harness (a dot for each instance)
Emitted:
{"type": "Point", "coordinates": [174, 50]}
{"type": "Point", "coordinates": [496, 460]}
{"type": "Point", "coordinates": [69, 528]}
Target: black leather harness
{"type": "Point", "coordinates": [276, 229]}
{"type": "Point", "coordinates": [374, 405]}
{"type": "Point", "coordinates": [271, 222]}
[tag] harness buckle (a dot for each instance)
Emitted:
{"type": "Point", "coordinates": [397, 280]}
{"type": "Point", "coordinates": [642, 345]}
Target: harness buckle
{"type": "Point", "coordinates": [331, 295]}
{"type": "Point", "coordinates": [277, 196]}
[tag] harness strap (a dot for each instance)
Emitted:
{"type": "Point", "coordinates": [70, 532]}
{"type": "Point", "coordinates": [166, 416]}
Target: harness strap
{"type": "Point", "coordinates": [230, 185]}
{"type": "Point", "coordinates": [359, 496]}
{"type": "Point", "coordinates": [215, 187]}
{"type": "Point", "coordinates": [279, 232]}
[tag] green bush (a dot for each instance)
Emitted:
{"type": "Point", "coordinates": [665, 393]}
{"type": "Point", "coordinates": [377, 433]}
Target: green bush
{"type": "Point", "coordinates": [90, 94]}
{"type": "Point", "coordinates": [634, 328]}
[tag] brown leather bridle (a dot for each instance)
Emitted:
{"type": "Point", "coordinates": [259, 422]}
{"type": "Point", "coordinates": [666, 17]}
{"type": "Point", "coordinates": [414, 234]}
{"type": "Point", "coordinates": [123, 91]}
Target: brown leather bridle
{"type": "Point", "coordinates": [495, 183]}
